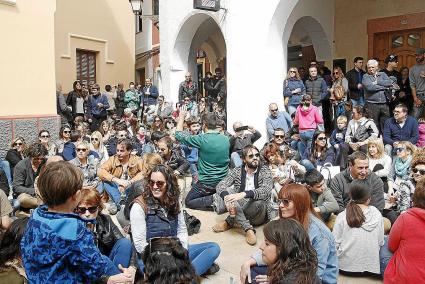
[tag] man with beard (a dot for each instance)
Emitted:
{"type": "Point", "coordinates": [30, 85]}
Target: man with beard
{"type": "Point", "coordinates": [244, 193]}
{"type": "Point", "coordinates": [216, 88]}
{"type": "Point", "coordinates": [172, 157]}
{"type": "Point", "coordinates": [392, 63]}
{"type": "Point", "coordinates": [417, 82]}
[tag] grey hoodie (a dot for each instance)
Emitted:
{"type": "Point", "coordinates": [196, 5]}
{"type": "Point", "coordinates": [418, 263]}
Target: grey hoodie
{"type": "Point", "coordinates": [358, 248]}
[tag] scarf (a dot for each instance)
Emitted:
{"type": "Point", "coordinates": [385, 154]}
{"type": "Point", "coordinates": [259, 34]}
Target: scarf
{"type": "Point", "coordinates": [401, 167]}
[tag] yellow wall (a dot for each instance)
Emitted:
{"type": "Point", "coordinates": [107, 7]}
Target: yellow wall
{"type": "Point", "coordinates": [27, 62]}
{"type": "Point", "coordinates": [351, 23]}
{"type": "Point", "coordinates": [104, 26]}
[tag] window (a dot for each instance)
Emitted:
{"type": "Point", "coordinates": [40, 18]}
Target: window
{"type": "Point", "coordinates": [86, 66]}
{"type": "Point", "coordinates": [155, 7]}
{"type": "Point", "coordinates": [139, 24]}
{"type": "Point", "coordinates": [397, 41]}
{"type": "Point", "coordinates": [414, 40]}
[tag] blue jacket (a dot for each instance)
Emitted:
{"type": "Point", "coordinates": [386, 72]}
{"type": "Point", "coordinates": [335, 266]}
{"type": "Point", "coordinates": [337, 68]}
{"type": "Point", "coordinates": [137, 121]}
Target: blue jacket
{"type": "Point", "coordinates": [338, 136]}
{"type": "Point", "coordinates": [329, 157]}
{"type": "Point", "coordinates": [151, 98]}
{"type": "Point", "coordinates": [290, 85]}
{"type": "Point", "coordinates": [69, 152]}
{"type": "Point", "coordinates": [323, 242]}
{"type": "Point", "coordinates": [92, 105]}
{"type": "Point", "coordinates": [393, 132]}
{"type": "Point", "coordinates": [58, 248]}
{"type": "Point", "coordinates": [190, 153]}
{"type": "Point", "coordinates": [283, 120]}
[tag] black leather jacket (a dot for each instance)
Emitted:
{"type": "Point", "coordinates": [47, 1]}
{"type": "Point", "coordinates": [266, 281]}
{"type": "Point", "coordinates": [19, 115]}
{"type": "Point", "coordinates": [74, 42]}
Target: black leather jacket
{"type": "Point", "coordinates": [177, 162]}
{"type": "Point", "coordinates": [107, 234]}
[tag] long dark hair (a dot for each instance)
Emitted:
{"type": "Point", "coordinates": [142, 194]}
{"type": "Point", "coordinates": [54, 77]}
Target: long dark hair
{"type": "Point", "coordinates": [166, 261]}
{"type": "Point", "coordinates": [315, 150]}
{"type": "Point", "coordinates": [354, 214]}
{"type": "Point", "coordinates": [11, 240]}
{"type": "Point", "coordinates": [295, 254]}
{"type": "Point", "coordinates": [172, 195]}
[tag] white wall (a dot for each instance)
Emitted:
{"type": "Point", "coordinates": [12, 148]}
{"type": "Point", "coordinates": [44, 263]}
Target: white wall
{"type": "Point", "coordinates": [256, 35]}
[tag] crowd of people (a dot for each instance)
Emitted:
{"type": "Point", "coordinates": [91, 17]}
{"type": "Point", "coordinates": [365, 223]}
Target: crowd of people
{"type": "Point", "coordinates": [338, 184]}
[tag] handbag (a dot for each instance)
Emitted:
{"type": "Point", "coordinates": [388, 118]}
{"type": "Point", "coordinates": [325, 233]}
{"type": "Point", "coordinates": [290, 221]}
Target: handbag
{"type": "Point", "coordinates": [193, 224]}
{"type": "Point", "coordinates": [328, 171]}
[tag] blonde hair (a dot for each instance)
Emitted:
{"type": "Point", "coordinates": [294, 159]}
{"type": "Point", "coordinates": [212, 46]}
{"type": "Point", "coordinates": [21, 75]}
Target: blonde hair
{"type": "Point", "coordinates": [84, 143]}
{"type": "Point", "coordinates": [409, 146]}
{"type": "Point", "coordinates": [342, 119]}
{"type": "Point", "coordinates": [297, 75]}
{"type": "Point", "coordinates": [379, 147]}
{"type": "Point", "coordinates": [341, 74]}
{"type": "Point", "coordinates": [99, 136]}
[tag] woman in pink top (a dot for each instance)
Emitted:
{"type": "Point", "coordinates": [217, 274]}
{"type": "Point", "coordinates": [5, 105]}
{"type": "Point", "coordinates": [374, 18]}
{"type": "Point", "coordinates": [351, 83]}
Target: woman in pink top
{"type": "Point", "coordinates": [307, 117]}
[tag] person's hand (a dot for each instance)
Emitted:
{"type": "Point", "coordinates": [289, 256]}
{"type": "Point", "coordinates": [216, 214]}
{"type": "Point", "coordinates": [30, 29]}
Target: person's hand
{"type": "Point", "coordinates": [261, 279]}
{"type": "Point", "coordinates": [296, 137]}
{"type": "Point", "coordinates": [183, 112]}
{"type": "Point", "coordinates": [354, 146]}
{"type": "Point", "coordinates": [395, 144]}
{"type": "Point", "coordinates": [122, 183]}
{"type": "Point", "coordinates": [251, 129]}
{"type": "Point", "coordinates": [317, 209]}
{"type": "Point", "coordinates": [296, 91]}
{"type": "Point", "coordinates": [100, 105]}
{"type": "Point", "coordinates": [359, 86]}
{"type": "Point", "coordinates": [245, 273]}
{"type": "Point", "coordinates": [396, 87]}
{"type": "Point", "coordinates": [90, 120]}
{"type": "Point", "coordinates": [177, 173]}
{"type": "Point", "coordinates": [336, 146]}
{"type": "Point", "coordinates": [130, 271]}
{"type": "Point", "coordinates": [417, 102]}
{"type": "Point", "coordinates": [234, 197]}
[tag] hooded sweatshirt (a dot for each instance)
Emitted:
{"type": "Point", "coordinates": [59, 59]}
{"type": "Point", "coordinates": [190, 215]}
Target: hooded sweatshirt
{"type": "Point", "coordinates": [58, 248]}
{"type": "Point", "coordinates": [406, 241]}
{"type": "Point", "coordinates": [358, 248]}
{"type": "Point", "coordinates": [421, 141]}
{"type": "Point", "coordinates": [308, 119]}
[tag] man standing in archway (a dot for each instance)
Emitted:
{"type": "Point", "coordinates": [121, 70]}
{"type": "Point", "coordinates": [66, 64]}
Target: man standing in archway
{"type": "Point", "coordinates": [188, 88]}
{"type": "Point", "coordinates": [217, 89]}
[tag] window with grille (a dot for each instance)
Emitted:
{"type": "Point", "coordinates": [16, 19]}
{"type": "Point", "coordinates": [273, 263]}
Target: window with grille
{"type": "Point", "coordinates": [86, 67]}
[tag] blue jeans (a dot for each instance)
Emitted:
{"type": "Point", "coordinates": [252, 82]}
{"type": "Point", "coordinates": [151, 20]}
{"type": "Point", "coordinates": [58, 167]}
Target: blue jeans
{"type": "Point", "coordinates": [6, 168]}
{"type": "Point", "coordinates": [291, 109]}
{"type": "Point", "coordinates": [194, 172]}
{"type": "Point", "coordinates": [305, 142]}
{"type": "Point", "coordinates": [113, 191]}
{"type": "Point", "coordinates": [307, 164]}
{"type": "Point", "coordinates": [121, 253]}
{"type": "Point", "coordinates": [294, 144]}
{"type": "Point", "coordinates": [200, 197]}
{"type": "Point", "coordinates": [384, 255]}
{"type": "Point", "coordinates": [360, 101]}
{"type": "Point", "coordinates": [236, 159]}
{"type": "Point", "coordinates": [257, 270]}
{"type": "Point", "coordinates": [202, 257]}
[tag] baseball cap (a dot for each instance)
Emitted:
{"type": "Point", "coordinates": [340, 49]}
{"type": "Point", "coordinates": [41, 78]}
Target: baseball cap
{"type": "Point", "coordinates": [391, 58]}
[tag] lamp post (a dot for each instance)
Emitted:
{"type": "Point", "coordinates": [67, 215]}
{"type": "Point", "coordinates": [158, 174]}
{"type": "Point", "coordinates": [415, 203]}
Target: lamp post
{"type": "Point", "coordinates": [136, 6]}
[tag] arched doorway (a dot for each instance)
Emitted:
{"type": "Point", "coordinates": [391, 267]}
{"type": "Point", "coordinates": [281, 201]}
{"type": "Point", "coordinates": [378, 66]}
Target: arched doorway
{"type": "Point", "coordinates": [199, 47]}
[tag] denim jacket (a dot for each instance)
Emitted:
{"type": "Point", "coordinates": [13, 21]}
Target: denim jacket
{"type": "Point", "coordinates": [289, 86]}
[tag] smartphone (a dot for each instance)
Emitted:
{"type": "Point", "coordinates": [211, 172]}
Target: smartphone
{"type": "Point", "coordinates": [242, 128]}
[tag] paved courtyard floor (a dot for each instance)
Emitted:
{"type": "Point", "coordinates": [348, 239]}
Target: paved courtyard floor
{"type": "Point", "coordinates": [234, 250]}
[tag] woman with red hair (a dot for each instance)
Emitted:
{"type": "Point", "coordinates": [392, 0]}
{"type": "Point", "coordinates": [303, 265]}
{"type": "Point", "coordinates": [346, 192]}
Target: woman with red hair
{"type": "Point", "coordinates": [295, 202]}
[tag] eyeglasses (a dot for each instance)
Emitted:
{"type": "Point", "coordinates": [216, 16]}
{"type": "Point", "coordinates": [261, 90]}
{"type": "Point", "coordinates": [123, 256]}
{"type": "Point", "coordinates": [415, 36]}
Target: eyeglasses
{"type": "Point", "coordinates": [336, 73]}
{"type": "Point", "coordinates": [95, 139]}
{"type": "Point", "coordinates": [421, 172]}
{"type": "Point", "coordinates": [284, 202]}
{"type": "Point", "coordinates": [157, 120]}
{"type": "Point", "coordinates": [17, 143]}
{"type": "Point", "coordinates": [38, 159]}
{"type": "Point", "coordinates": [400, 149]}
{"type": "Point", "coordinates": [81, 149]}
{"type": "Point", "coordinates": [321, 138]}
{"type": "Point", "coordinates": [257, 155]}
{"type": "Point", "coordinates": [159, 183]}
{"type": "Point", "coordinates": [292, 71]}
{"type": "Point", "coordinates": [82, 210]}
{"type": "Point", "coordinates": [44, 136]}
{"type": "Point", "coordinates": [397, 112]}
{"type": "Point", "coordinates": [66, 131]}
{"type": "Point", "coordinates": [279, 136]}
{"type": "Point", "coordinates": [273, 110]}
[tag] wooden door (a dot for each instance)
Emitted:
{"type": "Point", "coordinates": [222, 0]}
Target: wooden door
{"type": "Point", "coordinates": [401, 43]}
{"type": "Point", "coordinates": [86, 67]}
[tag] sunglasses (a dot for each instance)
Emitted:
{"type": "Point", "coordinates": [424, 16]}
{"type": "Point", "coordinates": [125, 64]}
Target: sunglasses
{"type": "Point", "coordinates": [321, 138]}
{"type": "Point", "coordinates": [39, 159]}
{"type": "Point", "coordinates": [82, 210]}
{"type": "Point", "coordinates": [18, 144]}
{"type": "Point", "coordinates": [336, 73]}
{"type": "Point", "coordinates": [67, 131]}
{"type": "Point", "coordinates": [421, 172]}
{"type": "Point", "coordinates": [285, 202]}
{"type": "Point", "coordinates": [159, 183]}
{"type": "Point", "coordinates": [400, 149]}
{"type": "Point", "coordinates": [81, 149]}
{"type": "Point", "coordinates": [274, 109]}
{"type": "Point", "coordinates": [95, 139]}
{"type": "Point", "coordinates": [257, 155]}
{"type": "Point", "coordinates": [292, 71]}
{"type": "Point", "coordinates": [279, 136]}
{"type": "Point", "coordinates": [44, 136]}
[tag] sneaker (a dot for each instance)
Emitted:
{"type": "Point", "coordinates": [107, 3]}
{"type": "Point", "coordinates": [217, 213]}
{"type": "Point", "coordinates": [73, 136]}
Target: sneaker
{"type": "Point", "coordinates": [250, 237]}
{"type": "Point", "coordinates": [212, 270]}
{"type": "Point", "coordinates": [221, 227]}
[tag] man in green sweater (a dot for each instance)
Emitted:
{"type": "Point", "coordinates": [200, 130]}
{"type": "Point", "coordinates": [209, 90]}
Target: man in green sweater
{"type": "Point", "coordinates": [213, 159]}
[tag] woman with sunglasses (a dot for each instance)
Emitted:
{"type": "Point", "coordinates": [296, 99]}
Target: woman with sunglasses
{"type": "Point", "coordinates": [108, 237]}
{"type": "Point", "coordinates": [157, 213]}
{"type": "Point", "coordinates": [157, 124]}
{"type": "Point", "coordinates": [16, 152]}
{"type": "Point", "coordinates": [319, 154]}
{"type": "Point", "coordinates": [288, 253]}
{"type": "Point", "coordinates": [64, 137]}
{"type": "Point", "coordinates": [338, 92]}
{"type": "Point", "coordinates": [97, 146]}
{"type": "Point", "coordinates": [44, 138]}
{"type": "Point", "coordinates": [295, 203]}
{"type": "Point", "coordinates": [87, 164]}
{"type": "Point", "coordinates": [400, 168]}
{"type": "Point", "coordinates": [293, 90]}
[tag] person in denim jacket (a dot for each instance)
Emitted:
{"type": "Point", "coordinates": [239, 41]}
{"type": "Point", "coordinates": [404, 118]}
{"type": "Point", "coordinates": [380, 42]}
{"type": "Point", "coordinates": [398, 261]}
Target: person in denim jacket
{"type": "Point", "coordinates": [293, 90]}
